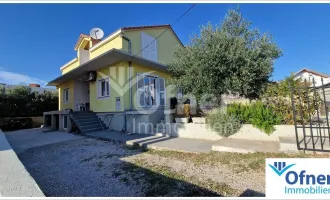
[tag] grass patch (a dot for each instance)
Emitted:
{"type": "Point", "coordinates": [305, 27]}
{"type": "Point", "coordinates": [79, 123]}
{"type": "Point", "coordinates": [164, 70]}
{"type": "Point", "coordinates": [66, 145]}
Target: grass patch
{"type": "Point", "coordinates": [162, 181]}
{"type": "Point", "coordinates": [236, 161]}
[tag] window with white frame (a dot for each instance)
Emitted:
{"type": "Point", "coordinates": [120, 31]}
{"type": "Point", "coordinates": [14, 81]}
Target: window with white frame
{"type": "Point", "coordinates": [103, 88]}
{"type": "Point", "coordinates": [149, 47]}
{"type": "Point", "coordinates": [150, 91]}
{"type": "Point", "coordinates": [66, 95]}
{"type": "Point", "coordinates": [65, 121]}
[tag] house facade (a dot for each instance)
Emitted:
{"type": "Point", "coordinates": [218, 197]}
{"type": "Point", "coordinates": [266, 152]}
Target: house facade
{"type": "Point", "coordinates": [309, 75]}
{"type": "Point", "coordinates": [122, 75]}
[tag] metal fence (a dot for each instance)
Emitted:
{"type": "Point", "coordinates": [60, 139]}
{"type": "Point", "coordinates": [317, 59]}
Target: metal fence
{"type": "Point", "coordinates": [310, 106]}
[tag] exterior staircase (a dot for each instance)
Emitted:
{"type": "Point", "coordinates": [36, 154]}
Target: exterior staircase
{"type": "Point", "coordinates": [87, 122]}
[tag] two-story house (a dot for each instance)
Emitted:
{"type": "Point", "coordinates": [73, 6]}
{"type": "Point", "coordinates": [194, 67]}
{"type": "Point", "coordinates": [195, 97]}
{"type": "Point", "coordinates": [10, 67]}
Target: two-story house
{"type": "Point", "coordinates": [119, 78]}
{"type": "Point", "coordinates": [310, 75]}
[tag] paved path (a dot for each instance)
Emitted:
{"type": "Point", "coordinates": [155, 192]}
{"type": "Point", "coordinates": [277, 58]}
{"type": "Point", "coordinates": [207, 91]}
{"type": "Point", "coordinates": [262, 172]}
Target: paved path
{"type": "Point", "coordinates": [186, 144]}
{"type": "Point", "coordinates": [15, 181]}
{"type": "Point", "coordinates": [245, 146]}
{"type": "Point", "coordinates": [156, 142]}
{"type": "Point", "coordinates": [22, 140]}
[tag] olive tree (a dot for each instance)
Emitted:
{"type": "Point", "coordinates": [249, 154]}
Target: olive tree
{"type": "Point", "coordinates": [230, 57]}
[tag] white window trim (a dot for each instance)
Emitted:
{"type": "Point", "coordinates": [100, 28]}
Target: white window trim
{"type": "Point", "coordinates": [157, 92]}
{"type": "Point", "coordinates": [162, 92]}
{"type": "Point", "coordinates": [98, 88]}
{"type": "Point", "coordinates": [65, 128]}
{"type": "Point", "coordinates": [64, 95]}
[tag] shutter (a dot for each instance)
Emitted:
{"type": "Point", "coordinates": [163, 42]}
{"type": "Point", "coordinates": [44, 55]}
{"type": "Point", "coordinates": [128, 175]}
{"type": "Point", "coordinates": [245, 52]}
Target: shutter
{"type": "Point", "coordinates": [144, 44]}
{"type": "Point", "coordinates": [154, 55]}
{"type": "Point", "coordinates": [162, 92]}
{"type": "Point", "coordinates": [140, 90]}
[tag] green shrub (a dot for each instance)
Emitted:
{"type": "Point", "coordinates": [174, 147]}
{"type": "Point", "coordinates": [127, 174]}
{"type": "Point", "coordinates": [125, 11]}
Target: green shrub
{"type": "Point", "coordinates": [258, 114]}
{"type": "Point", "coordinates": [222, 123]}
{"type": "Point", "coordinates": [264, 118]}
{"type": "Point", "coordinates": [241, 111]}
{"type": "Point", "coordinates": [278, 96]}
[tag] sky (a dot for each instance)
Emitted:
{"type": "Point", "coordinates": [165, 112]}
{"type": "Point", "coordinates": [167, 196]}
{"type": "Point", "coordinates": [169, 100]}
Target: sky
{"type": "Point", "coordinates": [37, 39]}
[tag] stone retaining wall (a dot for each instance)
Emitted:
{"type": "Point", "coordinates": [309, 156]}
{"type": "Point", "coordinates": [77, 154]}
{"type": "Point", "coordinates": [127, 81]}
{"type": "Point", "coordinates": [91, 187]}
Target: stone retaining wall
{"type": "Point", "coordinates": [247, 131]}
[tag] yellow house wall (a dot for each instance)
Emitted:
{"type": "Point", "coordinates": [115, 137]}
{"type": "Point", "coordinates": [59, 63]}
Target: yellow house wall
{"type": "Point", "coordinates": [61, 104]}
{"type": "Point", "coordinates": [70, 67]}
{"type": "Point", "coordinates": [119, 87]}
{"type": "Point", "coordinates": [116, 43]}
{"type": "Point", "coordinates": [166, 44]}
{"type": "Point", "coordinates": [143, 69]}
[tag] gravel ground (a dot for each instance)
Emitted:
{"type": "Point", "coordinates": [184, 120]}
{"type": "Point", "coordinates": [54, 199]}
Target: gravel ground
{"type": "Point", "coordinates": [79, 168]}
{"type": "Point", "coordinates": [89, 167]}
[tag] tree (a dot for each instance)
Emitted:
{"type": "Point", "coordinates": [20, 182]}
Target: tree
{"type": "Point", "coordinates": [231, 57]}
{"type": "Point", "coordinates": [20, 101]}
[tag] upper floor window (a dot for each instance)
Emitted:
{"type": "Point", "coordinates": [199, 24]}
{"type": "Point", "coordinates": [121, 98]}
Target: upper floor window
{"type": "Point", "coordinates": [66, 95]}
{"type": "Point", "coordinates": [149, 46]}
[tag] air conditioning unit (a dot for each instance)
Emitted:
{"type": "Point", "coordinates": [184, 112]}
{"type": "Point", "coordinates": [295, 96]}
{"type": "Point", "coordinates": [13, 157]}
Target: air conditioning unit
{"type": "Point", "coordinates": [88, 77]}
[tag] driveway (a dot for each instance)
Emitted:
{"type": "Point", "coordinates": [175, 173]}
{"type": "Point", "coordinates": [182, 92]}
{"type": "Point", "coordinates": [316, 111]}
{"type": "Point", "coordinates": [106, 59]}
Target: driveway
{"type": "Point", "coordinates": [25, 139]}
{"type": "Point", "coordinates": [66, 165]}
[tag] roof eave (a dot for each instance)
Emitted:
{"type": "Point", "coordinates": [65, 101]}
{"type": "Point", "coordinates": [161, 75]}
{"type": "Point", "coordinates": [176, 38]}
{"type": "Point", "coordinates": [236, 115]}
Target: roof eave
{"type": "Point", "coordinates": [106, 59]}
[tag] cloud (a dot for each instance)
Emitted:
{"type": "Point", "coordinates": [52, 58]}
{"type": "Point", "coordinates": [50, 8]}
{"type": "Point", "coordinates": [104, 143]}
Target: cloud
{"type": "Point", "coordinates": [13, 78]}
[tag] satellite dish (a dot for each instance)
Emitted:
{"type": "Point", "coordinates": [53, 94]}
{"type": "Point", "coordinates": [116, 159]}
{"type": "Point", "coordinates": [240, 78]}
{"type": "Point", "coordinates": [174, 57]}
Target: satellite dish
{"type": "Point", "coordinates": [96, 33]}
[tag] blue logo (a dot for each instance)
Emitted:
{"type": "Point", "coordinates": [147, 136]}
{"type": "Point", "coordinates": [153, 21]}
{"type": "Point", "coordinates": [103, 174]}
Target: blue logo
{"type": "Point", "coordinates": [280, 167]}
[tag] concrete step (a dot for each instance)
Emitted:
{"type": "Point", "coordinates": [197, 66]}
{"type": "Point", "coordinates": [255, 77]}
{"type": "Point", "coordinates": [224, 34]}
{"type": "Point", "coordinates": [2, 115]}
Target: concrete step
{"type": "Point", "coordinates": [244, 146]}
{"type": "Point", "coordinates": [84, 117]}
{"type": "Point", "coordinates": [90, 130]}
{"type": "Point", "coordinates": [89, 126]}
{"type": "Point", "coordinates": [88, 122]}
{"type": "Point", "coordinates": [289, 144]}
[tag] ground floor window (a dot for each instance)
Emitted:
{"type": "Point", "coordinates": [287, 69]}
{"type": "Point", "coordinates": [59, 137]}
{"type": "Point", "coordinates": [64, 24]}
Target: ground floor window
{"type": "Point", "coordinates": [65, 121]}
{"type": "Point", "coordinates": [103, 88]}
{"type": "Point", "coordinates": [150, 91]}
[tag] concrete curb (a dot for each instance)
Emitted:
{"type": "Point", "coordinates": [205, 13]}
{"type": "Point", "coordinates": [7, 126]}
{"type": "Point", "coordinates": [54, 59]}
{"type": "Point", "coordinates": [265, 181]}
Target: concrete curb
{"type": "Point", "coordinates": [133, 143]}
{"type": "Point", "coordinates": [15, 180]}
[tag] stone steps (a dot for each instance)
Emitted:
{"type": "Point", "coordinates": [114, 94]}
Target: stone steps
{"type": "Point", "coordinates": [87, 122]}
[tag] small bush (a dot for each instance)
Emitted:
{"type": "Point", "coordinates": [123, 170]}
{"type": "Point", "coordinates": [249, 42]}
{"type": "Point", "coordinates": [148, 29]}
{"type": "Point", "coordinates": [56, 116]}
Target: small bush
{"type": "Point", "coordinates": [264, 118]}
{"type": "Point", "coordinates": [258, 114]}
{"type": "Point", "coordinates": [222, 123]}
{"type": "Point", "coordinates": [241, 111]}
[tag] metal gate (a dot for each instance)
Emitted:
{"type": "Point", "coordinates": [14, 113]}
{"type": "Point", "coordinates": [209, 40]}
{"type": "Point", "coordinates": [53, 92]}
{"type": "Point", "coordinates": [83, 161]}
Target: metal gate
{"type": "Point", "coordinates": [310, 111]}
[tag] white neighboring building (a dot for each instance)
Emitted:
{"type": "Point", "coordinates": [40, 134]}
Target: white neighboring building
{"type": "Point", "coordinates": [310, 74]}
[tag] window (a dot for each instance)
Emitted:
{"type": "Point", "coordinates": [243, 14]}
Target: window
{"type": "Point", "coordinates": [150, 91]}
{"type": "Point", "coordinates": [149, 47]}
{"type": "Point", "coordinates": [65, 121]}
{"type": "Point", "coordinates": [103, 88]}
{"type": "Point", "coordinates": [66, 95]}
